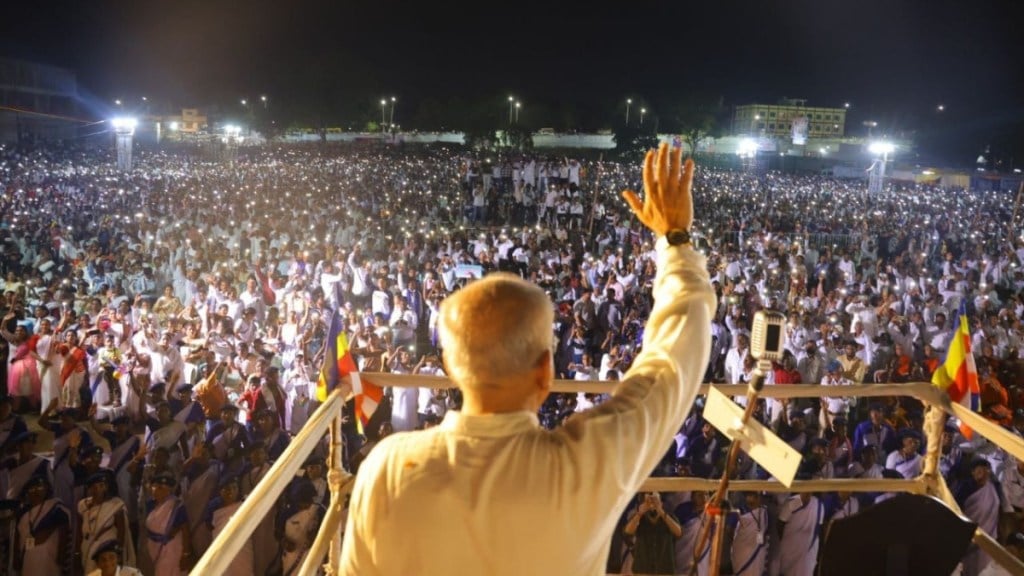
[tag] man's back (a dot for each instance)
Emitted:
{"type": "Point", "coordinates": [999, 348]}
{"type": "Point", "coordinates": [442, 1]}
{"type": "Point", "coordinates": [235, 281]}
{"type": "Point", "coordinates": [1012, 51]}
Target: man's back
{"type": "Point", "coordinates": [484, 495]}
{"type": "Point", "coordinates": [489, 491]}
{"type": "Point", "coordinates": [496, 494]}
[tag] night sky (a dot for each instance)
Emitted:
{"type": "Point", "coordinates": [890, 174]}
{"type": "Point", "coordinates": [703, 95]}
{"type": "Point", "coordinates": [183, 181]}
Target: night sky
{"type": "Point", "coordinates": [894, 60]}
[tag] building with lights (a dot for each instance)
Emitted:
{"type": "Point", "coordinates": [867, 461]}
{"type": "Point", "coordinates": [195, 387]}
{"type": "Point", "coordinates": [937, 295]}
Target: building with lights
{"type": "Point", "coordinates": [37, 102]}
{"type": "Point", "coordinates": [191, 121]}
{"type": "Point", "coordinates": [788, 116]}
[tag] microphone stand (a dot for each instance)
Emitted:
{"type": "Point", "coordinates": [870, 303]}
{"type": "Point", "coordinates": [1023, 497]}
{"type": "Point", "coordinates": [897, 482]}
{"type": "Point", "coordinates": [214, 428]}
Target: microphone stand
{"type": "Point", "coordinates": [717, 506]}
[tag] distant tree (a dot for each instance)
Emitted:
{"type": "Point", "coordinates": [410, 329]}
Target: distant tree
{"type": "Point", "coordinates": [695, 118]}
{"type": "Point", "coordinates": [518, 137]}
{"type": "Point", "coordinates": [633, 141]}
{"type": "Point", "coordinates": [429, 116]}
{"type": "Point", "coordinates": [477, 121]}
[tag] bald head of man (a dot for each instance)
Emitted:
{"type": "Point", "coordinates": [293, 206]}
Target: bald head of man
{"type": "Point", "coordinates": [496, 336]}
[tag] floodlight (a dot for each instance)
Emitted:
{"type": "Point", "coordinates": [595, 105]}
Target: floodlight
{"type": "Point", "coordinates": [124, 124]}
{"type": "Point", "coordinates": [747, 147]}
{"type": "Point", "coordinates": [881, 148]}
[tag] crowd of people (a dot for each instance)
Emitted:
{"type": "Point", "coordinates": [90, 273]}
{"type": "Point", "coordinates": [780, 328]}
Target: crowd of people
{"type": "Point", "coordinates": [168, 324]}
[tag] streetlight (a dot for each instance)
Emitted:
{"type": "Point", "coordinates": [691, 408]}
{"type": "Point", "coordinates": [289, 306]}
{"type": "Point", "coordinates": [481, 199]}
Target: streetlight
{"type": "Point", "coordinates": [876, 179]}
{"type": "Point", "coordinates": [629, 102]}
{"type": "Point", "coordinates": [124, 129]}
{"type": "Point", "coordinates": [642, 112]}
{"type": "Point", "coordinates": [393, 111]}
{"type": "Point", "coordinates": [511, 107]}
{"type": "Point", "coordinates": [941, 108]}
{"type": "Point", "coordinates": [518, 106]}
{"type": "Point", "coordinates": [264, 100]}
{"type": "Point", "coordinates": [847, 105]}
{"type": "Point", "coordinates": [117, 102]}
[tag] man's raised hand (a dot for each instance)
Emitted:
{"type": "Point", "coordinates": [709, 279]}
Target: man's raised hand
{"type": "Point", "coordinates": [668, 202]}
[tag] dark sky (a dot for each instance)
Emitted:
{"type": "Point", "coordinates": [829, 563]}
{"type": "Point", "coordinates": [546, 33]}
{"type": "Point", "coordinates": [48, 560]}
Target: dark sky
{"type": "Point", "coordinates": [894, 60]}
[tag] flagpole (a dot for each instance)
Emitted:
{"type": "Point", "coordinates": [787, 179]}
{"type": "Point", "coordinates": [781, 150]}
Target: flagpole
{"type": "Point", "coordinates": [1013, 219]}
{"type": "Point", "coordinates": [597, 190]}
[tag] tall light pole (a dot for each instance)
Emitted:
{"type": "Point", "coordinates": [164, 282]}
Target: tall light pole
{"type": "Point", "coordinates": [642, 112]}
{"type": "Point", "coordinates": [393, 100]}
{"type": "Point", "coordinates": [518, 106]}
{"type": "Point", "coordinates": [264, 100]}
{"type": "Point", "coordinates": [383, 114]}
{"type": "Point", "coordinates": [511, 107]}
{"type": "Point", "coordinates": [876, 178]}
{"type": "Point", "coordinates": [629, 102]}
{"type": "Point", "coordinates": [232, 137]}
{"type": "Point", "coordinates": [871, 124]}
{"type": "Point", "coordinates": [124, 129]}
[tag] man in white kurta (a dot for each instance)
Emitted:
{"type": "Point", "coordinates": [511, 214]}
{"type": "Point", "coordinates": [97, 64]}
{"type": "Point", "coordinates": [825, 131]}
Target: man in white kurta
{"type": "Point", "coordinates": [491, 492]}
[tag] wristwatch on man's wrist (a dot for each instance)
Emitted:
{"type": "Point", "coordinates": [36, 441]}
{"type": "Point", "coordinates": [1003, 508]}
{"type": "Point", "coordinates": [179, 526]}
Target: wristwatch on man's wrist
{"type": "Point", "coordinates": [677, 237]}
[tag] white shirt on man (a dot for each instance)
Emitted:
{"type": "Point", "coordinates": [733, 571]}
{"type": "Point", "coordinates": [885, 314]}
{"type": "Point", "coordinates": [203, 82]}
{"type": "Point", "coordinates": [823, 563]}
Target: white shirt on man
{"type": "Point", "coordinates": [552, 491]}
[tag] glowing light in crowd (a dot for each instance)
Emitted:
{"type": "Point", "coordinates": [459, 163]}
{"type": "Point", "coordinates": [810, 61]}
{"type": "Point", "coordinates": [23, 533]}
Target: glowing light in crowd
{"type": "Point", "coordinates": [124, 124]}
{"type": "Point", "coordinates": [747, 147]}
{"type": "Point", "coordinates": [881, 147]}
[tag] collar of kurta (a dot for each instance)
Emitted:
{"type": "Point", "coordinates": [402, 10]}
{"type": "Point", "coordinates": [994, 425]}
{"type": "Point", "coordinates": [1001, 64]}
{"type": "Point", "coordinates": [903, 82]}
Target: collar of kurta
{"type": "Point", "coordinates": [489, 425]}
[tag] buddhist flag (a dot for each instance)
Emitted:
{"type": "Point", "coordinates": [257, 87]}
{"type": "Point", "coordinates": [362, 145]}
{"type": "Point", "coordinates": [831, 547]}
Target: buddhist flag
{"type": "Point", "coordinates": [958, 375]}
{"type": "Point", "coordinates": [338, 363]}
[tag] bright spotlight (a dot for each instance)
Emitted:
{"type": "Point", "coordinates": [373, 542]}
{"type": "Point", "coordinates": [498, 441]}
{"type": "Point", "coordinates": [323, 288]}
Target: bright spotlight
{"type": "Point", "coordinates": [881, 148]}
{"type": "Point", "coordinates": [232, 130]}
{"type": "Point", "coordinates": [124, 124]}
{"type": "Point", "coordinates": [174, 125]}
{"type": "Point", "coordinates": [747, 147]}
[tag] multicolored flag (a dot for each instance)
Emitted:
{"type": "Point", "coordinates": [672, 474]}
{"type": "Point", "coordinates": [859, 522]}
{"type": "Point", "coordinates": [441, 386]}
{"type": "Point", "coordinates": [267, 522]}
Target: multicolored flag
{"type": "Point", "coordinates": [269, 297]}
{"type": "Point", "coordinates": [958, 375]}
{"type": "Point", "coordinates": [338, 363]}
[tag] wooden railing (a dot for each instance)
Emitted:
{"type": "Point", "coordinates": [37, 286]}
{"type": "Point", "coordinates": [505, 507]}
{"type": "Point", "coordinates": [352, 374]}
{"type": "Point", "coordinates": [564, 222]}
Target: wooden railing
{"type": "Point", "coordinates": [328, 419]}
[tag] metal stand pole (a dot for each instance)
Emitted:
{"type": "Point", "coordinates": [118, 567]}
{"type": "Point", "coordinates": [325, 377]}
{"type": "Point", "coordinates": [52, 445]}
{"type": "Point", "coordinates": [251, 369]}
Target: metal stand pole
{"type": "Point", "coordinates": [721, 510]}
{"type": "Point", "coordinates": [335, 478]}
{"type": "Point", "coordinates": [716, 502]}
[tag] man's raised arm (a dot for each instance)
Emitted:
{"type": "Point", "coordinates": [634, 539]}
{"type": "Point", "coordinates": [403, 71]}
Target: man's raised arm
{"type": "Point", "coordinates": [625, 438]}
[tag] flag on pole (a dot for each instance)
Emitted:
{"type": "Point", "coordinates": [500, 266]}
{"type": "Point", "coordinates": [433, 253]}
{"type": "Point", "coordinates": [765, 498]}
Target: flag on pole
{"type": "Point", "coordinates": [269, 297]}
{"type": "Point", "coordinates": [958, 375]}
{"type": "Point", "coordinates": [338, 363]}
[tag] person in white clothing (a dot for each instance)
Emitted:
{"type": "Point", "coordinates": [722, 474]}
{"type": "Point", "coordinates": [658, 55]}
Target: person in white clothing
{"type": "Point", "coordinates": [750, 539]}
{"type": "Point", "coordinates": [906, 460]}
{"type": "Point", "coordinates": [557, 490]}
{"type": "Point", "coordinates": [799, 525]}
{"type": "Point", "coordinates": [735, 357]}
{"type": "Point", "coordinates": [833, 407]}
{"type": "Point", "coordinates": [982, 503]}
